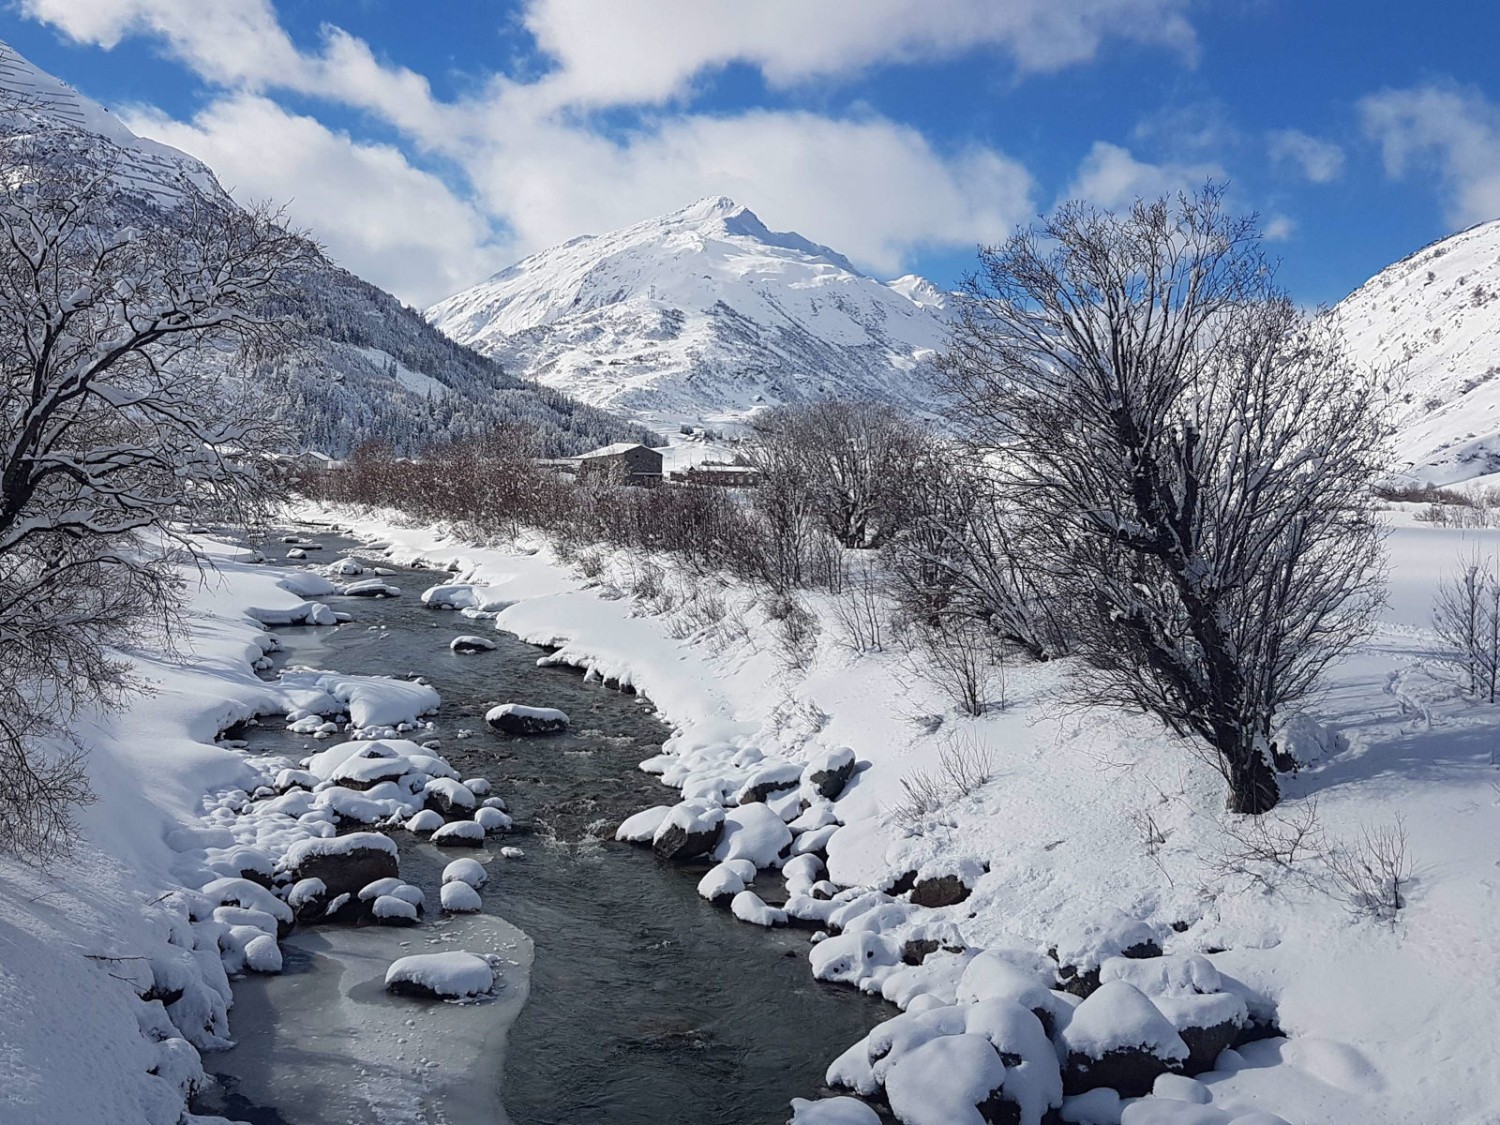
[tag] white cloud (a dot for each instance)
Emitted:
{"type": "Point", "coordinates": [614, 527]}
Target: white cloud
{"type": "Point", "coordinates": [378, 216]}
{"type": "Point", "coordinates": [872, 189]}
{"type": "Point", "coordinates": [535, 164]}
{"type": "Point", "coordinates": [642, 51]}
{"type": "Point", "coordinates": [1111, 177]}
{"type": "Point", "coordinates": [1456, 131]}
{"type": "Point", "coordinates": [1320, 161]}
{"type": "Point", "coordinates": [1279, 228]}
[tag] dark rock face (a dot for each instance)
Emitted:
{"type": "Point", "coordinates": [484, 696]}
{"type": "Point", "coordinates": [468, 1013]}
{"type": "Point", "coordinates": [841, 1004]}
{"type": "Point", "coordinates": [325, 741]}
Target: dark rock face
{"type": "Point", "coordinates": [946, 890]}
{"type": "Point", "coordinates": [454, 841]}
{"type": "Point", "coordinates": [679, 845]}
{"type": "Point", "coordinates": [757, 793]}
{"type": "Point", "coordinates": [998, 1110]}
{"type": "Point", "coordinates": [830, 783]}
{"type": "Point", "coordinates": [1128, 1070]}
{"type": "Point", "coordinates": [917, 950]}
{"type": "Point", "coordinates": [1206, 1044]}
{"type": "Point", "coordinates": [347, 872]}
{"type": "Point", "coordinates": [465, 646]}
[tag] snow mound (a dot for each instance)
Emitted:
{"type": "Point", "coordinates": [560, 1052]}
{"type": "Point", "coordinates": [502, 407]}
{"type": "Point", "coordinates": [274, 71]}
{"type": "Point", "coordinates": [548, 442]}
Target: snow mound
{"type": "Point", "coordinates": [447, 976]}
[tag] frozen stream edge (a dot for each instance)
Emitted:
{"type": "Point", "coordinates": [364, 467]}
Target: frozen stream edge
{"type": "Point", "coordinates": [331, 1042]}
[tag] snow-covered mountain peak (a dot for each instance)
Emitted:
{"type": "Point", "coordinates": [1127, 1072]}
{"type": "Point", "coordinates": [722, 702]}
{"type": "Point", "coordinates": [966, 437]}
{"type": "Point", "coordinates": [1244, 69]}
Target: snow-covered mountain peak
{"type": "Point", "coordinates": [704, 313]}
{"type": "Point", "coordinates": [1433, 321]}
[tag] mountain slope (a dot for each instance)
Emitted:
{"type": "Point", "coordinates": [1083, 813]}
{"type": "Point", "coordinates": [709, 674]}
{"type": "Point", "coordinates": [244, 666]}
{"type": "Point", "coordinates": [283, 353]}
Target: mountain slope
{"type": "Point", "coordinates": [703, 314]}
{"type": "Point", "coordinates": [1434, 319]}
{"type": "Point", "coordinates": [369, 367]}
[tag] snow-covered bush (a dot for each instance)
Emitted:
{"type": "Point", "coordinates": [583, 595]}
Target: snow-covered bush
{"type": "Point", "coordinates": [1371, 876]}
{"type": "Point", "coordinates": [1466, 616]}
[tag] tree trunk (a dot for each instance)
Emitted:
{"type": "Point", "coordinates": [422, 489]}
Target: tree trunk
{"type": "Point", "coordinates": [1253, 787]}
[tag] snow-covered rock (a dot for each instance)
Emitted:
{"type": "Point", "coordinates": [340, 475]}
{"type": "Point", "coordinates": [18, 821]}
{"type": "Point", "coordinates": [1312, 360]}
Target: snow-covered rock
{"type": "Point", "coordinates": [471, 643]}
{"type": "Point", "coordinates": [459, 834]}
{"type": "Point", "coordinates": [513, 718]}
{"type": "Point", "coordinates": [748, 906]}
{"type": "Point", "coordinates": [448, 976]}
{"type": "Point", "coordinates": [1118, 1038]}
{"type": "Point", "coordinates": [466, 870]}
{"type": "Point", "coordinates": [344, 863]}
{"type": "Point", "coordinates": [689, 830]}
{"type": "Point", "coordinates": [460, 898]}
{"type": "Point", "coordinates": [752, 832]}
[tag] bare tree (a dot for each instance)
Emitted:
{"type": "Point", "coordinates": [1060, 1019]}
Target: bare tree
{"type": "Point", "coordinates": [1466, 615]}
{"type": "Point", "coordinates": [962, 552]}
{"type": "Point", "coordinates": [119, 315]}
{"type": "Point", "coordinates": [848, 458]}
{"type": "Point", "coordinates": [1195, 456]}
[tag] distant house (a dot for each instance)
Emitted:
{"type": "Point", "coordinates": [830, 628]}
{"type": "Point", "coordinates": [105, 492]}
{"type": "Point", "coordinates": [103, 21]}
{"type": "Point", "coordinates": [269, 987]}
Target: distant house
{"type": "Point", "coordinates": [313, 461]}
{"type": "Point", "coordinates": [624, 461]}
{"type": "Point", "coordinates": [722, 476]}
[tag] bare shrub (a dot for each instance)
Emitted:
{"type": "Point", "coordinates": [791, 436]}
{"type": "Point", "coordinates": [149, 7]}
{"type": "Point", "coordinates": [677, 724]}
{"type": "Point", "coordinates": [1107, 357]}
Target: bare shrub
{"type": "Point", "coordinates": [964, 766]}
{"type": "Point", "coordinates": [1370, 877]}
{"type": "Point", "coordinates": [590, 563]}
{"type": "Point", "coordinates": [860, 611]}
{"type": "Point", "coordinates": [1272, 850]}
{"type": "Point", "coordinates": [646, 582]}
{"type": "Point", "coordinates": [962, 657]}
{"type": "Point", "coordinates": [1466, 616]}
{"type": "Point", "coordinates": [795, 627]}
{"type": "Point", "coordinates": [703, 609]}
{"type": "Point", "coordinates": [967, 764]}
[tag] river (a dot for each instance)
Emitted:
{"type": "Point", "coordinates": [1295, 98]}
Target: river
{"type": "Point", "coordinates": [646, 1003]}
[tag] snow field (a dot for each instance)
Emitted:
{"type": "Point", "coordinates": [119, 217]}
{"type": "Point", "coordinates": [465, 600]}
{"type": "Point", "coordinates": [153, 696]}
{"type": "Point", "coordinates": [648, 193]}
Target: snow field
{"type": "Point", "coordinates": [1096, 836]}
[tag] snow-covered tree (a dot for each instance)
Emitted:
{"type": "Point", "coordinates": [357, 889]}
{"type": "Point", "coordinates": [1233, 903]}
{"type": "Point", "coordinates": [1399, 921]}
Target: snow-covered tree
{"type": "Point", "coordinates": [851, 460]}
{"type": "Point", "coordinates": [1193, 455]}
{"type": "Point", "coordinates": [121, 313]}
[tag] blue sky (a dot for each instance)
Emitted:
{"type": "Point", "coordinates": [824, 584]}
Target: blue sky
{"type": "Point", "coordinates": [429, 144]}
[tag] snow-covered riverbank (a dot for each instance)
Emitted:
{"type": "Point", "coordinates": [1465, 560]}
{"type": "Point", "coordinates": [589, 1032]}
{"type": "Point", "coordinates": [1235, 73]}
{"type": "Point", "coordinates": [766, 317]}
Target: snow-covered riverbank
{"type": "Point", "coordinates": [1095, 832]}
{"type": "Point", "coordinates": [115, 959]}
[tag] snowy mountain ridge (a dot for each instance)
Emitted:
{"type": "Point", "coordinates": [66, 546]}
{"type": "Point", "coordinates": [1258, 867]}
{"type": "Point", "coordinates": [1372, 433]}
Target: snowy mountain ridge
{"type": "Point", "coordinates": [703, 314]}
{"type": "Point", "coordinates": [1433, 320]}
{"type": "Point", "coordinates": [368, 367]}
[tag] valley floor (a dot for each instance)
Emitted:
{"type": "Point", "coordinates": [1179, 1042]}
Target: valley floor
{"type": "Point", "coordinates": [1094, 830]}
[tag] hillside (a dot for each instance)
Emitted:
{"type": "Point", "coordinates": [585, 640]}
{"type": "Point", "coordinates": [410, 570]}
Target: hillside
{"type": "Point", "coordinates": [368, 367]}
{"type": "Point", "coordinates": [1433, 321]}
{"type": "Point", "coordinates": [703, 314]}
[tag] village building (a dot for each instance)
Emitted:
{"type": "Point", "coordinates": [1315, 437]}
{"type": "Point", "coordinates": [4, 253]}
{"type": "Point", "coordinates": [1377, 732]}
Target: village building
{"type": "Point", "coordinates": [626, 462]}
{"type": "Point", "coordinates": [719, 476]}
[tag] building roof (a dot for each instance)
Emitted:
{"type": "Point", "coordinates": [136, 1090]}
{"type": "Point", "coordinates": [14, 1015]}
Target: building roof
{"type": "Point", "coordinates": [615, 450]}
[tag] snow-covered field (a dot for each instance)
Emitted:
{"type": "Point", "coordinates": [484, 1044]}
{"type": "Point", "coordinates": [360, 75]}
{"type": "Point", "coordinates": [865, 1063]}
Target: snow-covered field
{"type": "Point", "coordinates": [1094, 832]}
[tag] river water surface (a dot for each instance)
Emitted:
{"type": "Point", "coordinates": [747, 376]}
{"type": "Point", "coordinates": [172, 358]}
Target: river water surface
{"type": "Point", "coordinates": [646, 1003]}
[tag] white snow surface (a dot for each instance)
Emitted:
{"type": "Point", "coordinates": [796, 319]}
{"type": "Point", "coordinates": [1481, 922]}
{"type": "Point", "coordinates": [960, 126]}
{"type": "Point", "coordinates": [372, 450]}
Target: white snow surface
{"type": "Point", "coordinates": [455, 975]}
{"type": "Point", "coordinates": [703, 315]}
{"type": "Point", "coordinates": [1385, 1021]}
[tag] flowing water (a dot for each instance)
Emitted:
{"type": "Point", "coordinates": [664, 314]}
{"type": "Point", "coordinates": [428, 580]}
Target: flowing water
{"type": "Point", "coordinates": [646, 1003]}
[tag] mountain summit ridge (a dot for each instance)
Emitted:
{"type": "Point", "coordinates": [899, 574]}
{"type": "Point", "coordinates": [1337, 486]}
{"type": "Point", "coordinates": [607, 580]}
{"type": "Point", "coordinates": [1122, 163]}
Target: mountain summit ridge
{"type": "Point", "coordinates": [704, 314]}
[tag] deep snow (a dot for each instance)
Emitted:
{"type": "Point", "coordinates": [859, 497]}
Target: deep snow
{"type": "Point", "coordinates": [1096, 828]}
